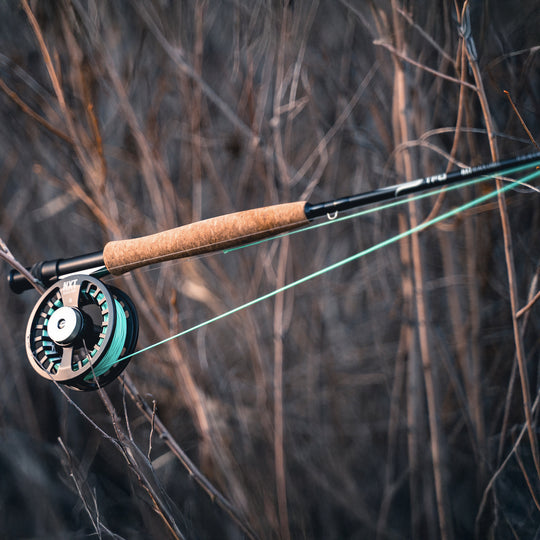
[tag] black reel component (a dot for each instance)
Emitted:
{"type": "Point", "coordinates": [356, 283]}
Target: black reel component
{"type": "Point", "coordinates": [79, 331]}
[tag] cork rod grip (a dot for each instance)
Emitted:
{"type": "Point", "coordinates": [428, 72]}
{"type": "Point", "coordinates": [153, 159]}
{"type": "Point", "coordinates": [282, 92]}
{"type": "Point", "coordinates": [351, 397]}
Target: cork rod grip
{"type": "Point", "coordinates": [212, 234]}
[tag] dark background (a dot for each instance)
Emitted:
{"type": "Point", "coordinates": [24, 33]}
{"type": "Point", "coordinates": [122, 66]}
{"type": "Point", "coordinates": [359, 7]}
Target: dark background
{"type": "Point", "coordinates": [336, 410]}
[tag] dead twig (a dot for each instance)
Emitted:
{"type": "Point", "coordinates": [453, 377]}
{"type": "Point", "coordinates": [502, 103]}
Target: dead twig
{"type": "Point", "coordinates": [501, 468]}
{"type": "Point", "coordinates": [7, 256]}
{"type": "Point", "coordinates": [507, 93]}
{"type": "Point", "coordinates": [142, 468]}
{"type": "Point", "coordinates": [85, 493]}
{"type": "Point", "coordinates": [507, 234]}
{"type": "Point", "coordinates": [192, 469]}
{"type": "Point", "coordinates": [32, 114]}
{"type": "Point", "coordinates": [402, 56]}
{"type": "Point", "coordinates": [528, 306]}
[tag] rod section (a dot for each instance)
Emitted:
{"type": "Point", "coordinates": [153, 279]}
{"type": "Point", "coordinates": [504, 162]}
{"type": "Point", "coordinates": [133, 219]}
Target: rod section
{"type": "Point", "coordinates": [414, 186]}
{"type": "Point", "coordinates": [50, 271]}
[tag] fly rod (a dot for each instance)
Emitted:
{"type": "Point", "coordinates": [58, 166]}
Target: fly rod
{"type": "Point", "coordinates": [237, 229]}
{"type": "Point", "coordinates": [82, 333]}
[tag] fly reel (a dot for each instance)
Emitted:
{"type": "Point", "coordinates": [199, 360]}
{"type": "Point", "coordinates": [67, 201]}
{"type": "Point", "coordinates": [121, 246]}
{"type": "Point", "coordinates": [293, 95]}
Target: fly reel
{"type": "Point", "coordinates": [79, 331]}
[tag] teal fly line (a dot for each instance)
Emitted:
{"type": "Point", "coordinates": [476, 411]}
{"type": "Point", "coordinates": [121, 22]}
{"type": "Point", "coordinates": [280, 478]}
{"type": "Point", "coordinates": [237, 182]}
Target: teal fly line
{"type": "Point", "coordinates": [392, 204]}
{"type": "Point", "coordinates": [356, 256]}
{"type": "Point", "coordinates": [118, 340]}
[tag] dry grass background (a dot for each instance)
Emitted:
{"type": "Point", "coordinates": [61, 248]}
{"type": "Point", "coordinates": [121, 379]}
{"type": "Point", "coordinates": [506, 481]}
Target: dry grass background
{"type": "Point", "coordinates": [395, 397]}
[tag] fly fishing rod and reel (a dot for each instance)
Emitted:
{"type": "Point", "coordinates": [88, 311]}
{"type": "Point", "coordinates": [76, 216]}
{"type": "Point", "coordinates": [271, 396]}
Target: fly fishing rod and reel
{"type": "Point", "coordinates": [82, 332]}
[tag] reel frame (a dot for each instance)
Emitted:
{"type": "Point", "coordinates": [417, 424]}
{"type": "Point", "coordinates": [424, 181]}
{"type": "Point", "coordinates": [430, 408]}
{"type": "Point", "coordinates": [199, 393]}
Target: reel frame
{"type": "Point", "coordinates": [93, 327]}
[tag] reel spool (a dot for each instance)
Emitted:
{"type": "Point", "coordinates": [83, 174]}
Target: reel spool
{"type": "Point", "coordinates": [78, 332]}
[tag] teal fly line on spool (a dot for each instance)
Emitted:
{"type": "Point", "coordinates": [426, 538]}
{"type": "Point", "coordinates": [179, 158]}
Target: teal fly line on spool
{"type": "Point", "coordinates": [343, 262]}
{"type": "Point", "coordinates": [118, 340]}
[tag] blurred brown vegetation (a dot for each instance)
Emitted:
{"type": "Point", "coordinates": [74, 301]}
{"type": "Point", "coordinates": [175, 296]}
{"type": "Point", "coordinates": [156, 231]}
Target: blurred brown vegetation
{"type": "Point", "coordinates": [395, 397]}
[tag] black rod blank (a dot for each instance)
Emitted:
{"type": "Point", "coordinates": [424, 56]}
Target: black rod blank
{"type": "Point", "coordinates": [47, 272]}
{"type": "Point", "coordinates": [414, 186]}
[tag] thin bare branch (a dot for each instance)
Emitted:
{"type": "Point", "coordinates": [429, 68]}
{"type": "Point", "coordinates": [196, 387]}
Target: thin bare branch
{"type": "Point", "coordinates": [393, 50]}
